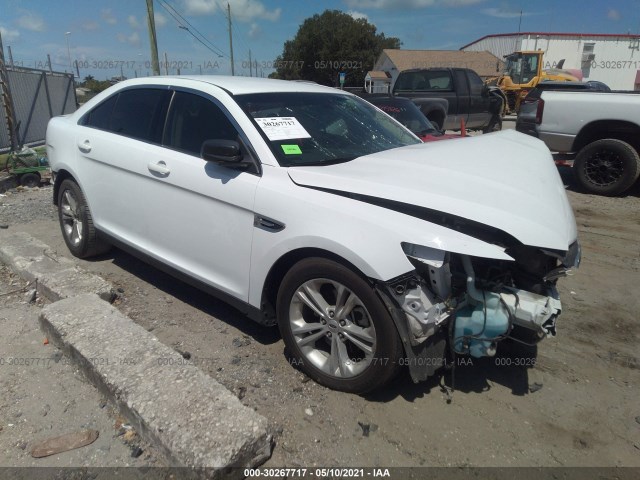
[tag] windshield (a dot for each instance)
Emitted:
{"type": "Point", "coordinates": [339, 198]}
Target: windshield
{"type": "Point", "coordinates": [522, 68]}
{"type": "Point", "coordinates": [321, 128]}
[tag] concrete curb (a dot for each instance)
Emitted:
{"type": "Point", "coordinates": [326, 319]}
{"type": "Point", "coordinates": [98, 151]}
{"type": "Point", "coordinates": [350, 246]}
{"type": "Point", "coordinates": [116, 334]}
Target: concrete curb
{"type": "Point", "coordinates": [56, 277]}
{"type": "Point", "coordinates": [193, 420]}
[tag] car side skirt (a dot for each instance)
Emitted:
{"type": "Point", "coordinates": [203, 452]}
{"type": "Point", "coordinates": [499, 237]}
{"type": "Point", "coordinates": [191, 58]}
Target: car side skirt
{"type": "Point", "coordinates": [245, 308]}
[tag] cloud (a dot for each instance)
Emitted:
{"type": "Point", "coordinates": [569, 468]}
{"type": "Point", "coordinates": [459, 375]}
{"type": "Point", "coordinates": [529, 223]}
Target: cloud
{"type": "Point", "coordinates": [357, 15]}
{"type": "Point", "coordinates": [161, 20]}
{"type": "Point", "coordinates": [90, 25]}
{"type": "Point", "coordinates": [31, 21]}
{"type": "Point", "coordinates": [108, 17]}
{"type": "Point", "coordinates": [408, 4]}
{"type": "Point", "coordinates": [133, 21]}
{"type": "Point", "coordinates": [243, 10]}
{"type": "Point", "coordinates": [613, 14]}
{"type": "Point", "coordinates": [133, 39]}
{"type": "Point", "coordinates": [254, 31]}
{"type": "Point", "coordinates": [505, 12]}
{"type": "Point", "coordinates": [9, 35]}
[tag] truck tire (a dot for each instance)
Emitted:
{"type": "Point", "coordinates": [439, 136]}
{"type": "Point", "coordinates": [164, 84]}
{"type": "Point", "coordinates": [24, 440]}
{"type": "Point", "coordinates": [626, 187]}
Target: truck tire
{"type": "Point", "coordinates": [607, 167]}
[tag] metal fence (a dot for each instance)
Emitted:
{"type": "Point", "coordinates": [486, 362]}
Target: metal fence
{"type": "Point", "coordinates": [37, 95]}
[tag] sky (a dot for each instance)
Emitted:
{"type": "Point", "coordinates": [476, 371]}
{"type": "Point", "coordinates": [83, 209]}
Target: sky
{"type": "Point", "coordinates": [107, 35]}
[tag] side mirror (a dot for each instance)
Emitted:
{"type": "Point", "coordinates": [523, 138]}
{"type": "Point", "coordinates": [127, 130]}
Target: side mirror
{"type": "Point", "coordinates": [223, 152]}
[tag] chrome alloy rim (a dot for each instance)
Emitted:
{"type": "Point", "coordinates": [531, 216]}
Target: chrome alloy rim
{"type": "Point", "coordinates": [71, 220]}
{"type": "Point", "coordinates": [332, 328]}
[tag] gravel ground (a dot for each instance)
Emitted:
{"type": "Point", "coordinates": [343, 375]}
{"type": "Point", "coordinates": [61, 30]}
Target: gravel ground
{"type": "Point", "coordinates": [583, 412]}
{"type": "Point", "coordinates": [43, 395]}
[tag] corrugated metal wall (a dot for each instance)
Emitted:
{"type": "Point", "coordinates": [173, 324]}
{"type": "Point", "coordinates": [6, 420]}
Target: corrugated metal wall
{"type": "Point", "coordinates": [37, 96]}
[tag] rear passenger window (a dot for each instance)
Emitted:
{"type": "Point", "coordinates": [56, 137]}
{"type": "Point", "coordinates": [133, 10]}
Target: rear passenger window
{"type": "Point", "coordinates": [194, 119]}
{"type": "Point", "coordinates": [100, 116]}
{"type": "Point", "coordinates": [137, 113]}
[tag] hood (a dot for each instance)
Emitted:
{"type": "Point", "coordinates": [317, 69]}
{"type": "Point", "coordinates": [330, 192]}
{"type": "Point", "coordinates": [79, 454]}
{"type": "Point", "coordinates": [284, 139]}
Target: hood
{"type": "Point", "coordinates": [505, 180]}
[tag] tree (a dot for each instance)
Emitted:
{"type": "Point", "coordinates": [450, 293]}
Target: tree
{"type": "Point", "coordinates": [330, 43]}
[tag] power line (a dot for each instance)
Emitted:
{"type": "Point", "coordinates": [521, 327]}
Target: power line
{"type": "Point", "coordinates": [202, 39]}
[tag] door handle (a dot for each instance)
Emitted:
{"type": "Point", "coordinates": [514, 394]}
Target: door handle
{"type": "Point", "coordinates": [158, 167]}
{"type": "Point", "coordinates": [84, 146]}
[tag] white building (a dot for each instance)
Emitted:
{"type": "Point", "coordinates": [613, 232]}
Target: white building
{"type": "Point", "coordinates": [610, 58]}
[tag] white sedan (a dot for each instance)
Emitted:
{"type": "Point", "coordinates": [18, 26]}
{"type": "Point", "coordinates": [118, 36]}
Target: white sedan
{"type": "Point", "coordinates": [307, 207]}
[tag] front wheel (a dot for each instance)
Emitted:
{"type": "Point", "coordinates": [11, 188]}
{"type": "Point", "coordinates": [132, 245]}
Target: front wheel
{"type": "Point", "coordinates": [607, 167]}
{"type": "Point", "coordinates": [76, 222]}
{"type": "Point", "coordinates": [336, 328]}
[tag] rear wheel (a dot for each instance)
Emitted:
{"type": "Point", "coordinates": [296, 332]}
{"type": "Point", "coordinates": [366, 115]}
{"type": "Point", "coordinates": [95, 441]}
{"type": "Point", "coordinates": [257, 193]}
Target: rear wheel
{"type": "Point", "coordinates": [30, 180]}
{"type": "Point", "coordinates": [76, 222]}
{"type": "Point", "coordinates": [336, 328]}
{"type": "Point", "coordinates": [607, 167]}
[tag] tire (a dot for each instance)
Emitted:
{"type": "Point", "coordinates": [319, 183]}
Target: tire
{"type": "Point", "coordinates": [76, 222]}
{"type": "Point", "coordinates": [30, 180]}
{"type": "Point", "coordinates": [607, 167]}
{"type": "Point", "coordinates": [355, 351]}
{"type": "Point", "coordinates": [495, 125]}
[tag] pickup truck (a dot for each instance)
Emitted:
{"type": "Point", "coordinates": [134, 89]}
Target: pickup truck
{"type": "Point", "coordinates": [599, 131]}
{"type": "Point", "coordinates": [448, 95]}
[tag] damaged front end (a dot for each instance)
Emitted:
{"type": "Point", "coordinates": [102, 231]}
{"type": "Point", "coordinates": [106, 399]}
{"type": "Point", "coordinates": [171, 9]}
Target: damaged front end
{"type": "Point", "coordinates": [466, 305]}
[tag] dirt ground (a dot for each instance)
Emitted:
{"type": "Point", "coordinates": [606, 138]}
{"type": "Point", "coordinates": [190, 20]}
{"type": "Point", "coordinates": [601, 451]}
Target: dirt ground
{"type": "Point", "coordinates": [586, 412]}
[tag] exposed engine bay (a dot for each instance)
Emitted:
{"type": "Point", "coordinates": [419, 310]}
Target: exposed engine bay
{"type": "Point", "coordinates": [474, 303]}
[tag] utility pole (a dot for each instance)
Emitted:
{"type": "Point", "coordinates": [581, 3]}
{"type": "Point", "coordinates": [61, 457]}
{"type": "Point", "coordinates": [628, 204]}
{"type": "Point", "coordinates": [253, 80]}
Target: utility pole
{"type": "Point", "coordinates": [69, 51]}
{"type": "Point", "coordinates": [166, 64]}
{"type": "Point", "coordinates": [250, 65]}
{"type": "Point", "coordinates": [153, 41]}
{"type": "Point", "coordinates": [230, 38]}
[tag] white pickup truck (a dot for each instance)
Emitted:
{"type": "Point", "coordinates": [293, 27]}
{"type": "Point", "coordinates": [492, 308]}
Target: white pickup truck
{"type": "Point", "coordinates": [600, 130]}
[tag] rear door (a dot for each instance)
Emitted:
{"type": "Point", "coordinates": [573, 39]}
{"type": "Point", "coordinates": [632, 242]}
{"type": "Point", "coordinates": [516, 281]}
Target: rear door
{"type": "Point", "coordinates": [462, 89]}
{"type": "Point", "coordinates": [479, 111]}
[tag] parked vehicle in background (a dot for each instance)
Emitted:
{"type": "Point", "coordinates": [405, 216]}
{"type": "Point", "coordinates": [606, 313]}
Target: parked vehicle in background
{"type": "Point", "coordinates": [598, 86]}
{"type": "Point", "coordinates": [526, 121]}
{"type": "Point", "coordinates": [447, 96]}
{"type": "Point", "coordinates": [408, 114]}
{"type": "Point", "coordinates": [523, 72]}
{"type": "Point", "coordinates": [599, 130]}
{"type": "Point", "coordinates": [306, 207]}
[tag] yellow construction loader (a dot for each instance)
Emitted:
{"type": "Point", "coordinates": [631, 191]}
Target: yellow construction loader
{"type": "Point", "coordinates": [523, 71]}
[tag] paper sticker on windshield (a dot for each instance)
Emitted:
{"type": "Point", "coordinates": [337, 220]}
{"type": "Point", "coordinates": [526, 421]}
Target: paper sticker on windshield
{"type": "Point", "coordinates": [282, 128]}
{"type": "Point", "coordinates": [291, 149]}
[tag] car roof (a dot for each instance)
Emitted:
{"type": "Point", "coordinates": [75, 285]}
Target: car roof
{"type": "Point", "coordinates": [237, 85]}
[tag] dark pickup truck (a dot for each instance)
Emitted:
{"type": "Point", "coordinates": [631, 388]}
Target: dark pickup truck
{"type": "Point", "coordinates": [448, 95]}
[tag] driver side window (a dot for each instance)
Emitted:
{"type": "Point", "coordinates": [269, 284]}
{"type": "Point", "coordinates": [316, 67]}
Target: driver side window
{"type": "Point", "coordinates": [192, 120]}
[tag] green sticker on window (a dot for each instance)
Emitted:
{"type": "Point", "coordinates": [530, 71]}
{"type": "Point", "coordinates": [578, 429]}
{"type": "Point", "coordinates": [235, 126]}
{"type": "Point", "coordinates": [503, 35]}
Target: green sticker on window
{"type": "Point", "coordinates": [291, 149]}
